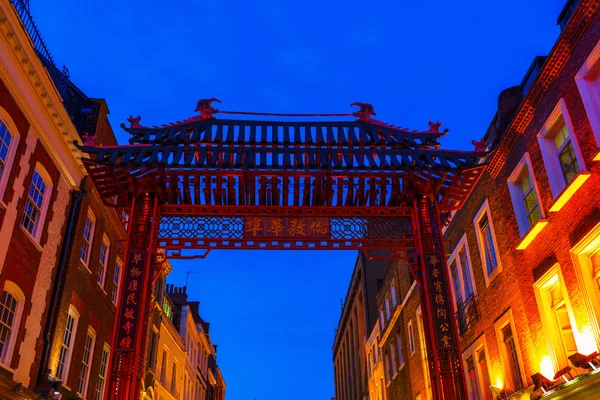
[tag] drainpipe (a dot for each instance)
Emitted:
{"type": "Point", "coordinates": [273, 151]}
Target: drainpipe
{"type": "Point", "coordinates": [59, 281]}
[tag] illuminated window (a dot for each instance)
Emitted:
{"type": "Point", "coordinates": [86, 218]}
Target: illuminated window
{"type": "Point", "coordinates": [486, 240]}
{"type": "Point", "coordinates": [86, 362]}
{"type": "Point", "coordinates": [88, 237]}
{"type": "Point", "coordinates": [560, 150]}
{"type": "Point", "coordinates": [101, 387]}
{"type": "Point", "coordinates": [588, 82]}
{"type": "Point", "coordinates": [103, 261]}
{"type": "Point", "coordinates": [37, 203]}
{"type": "Point", "coordinates": [11, 308]}
{"type": "Point", "coordinates": [411, 340]}
{"type": "Point", "coordinates": [509, 351]}
{"type": "Point", "coordinates": [116, 281]}
{"type": "Point", "coordinates": [524, 195]}
{"type": "Point", "coordinates": [595, 259]}
{"type": "Point", "coordinates": [8, 146]}
{"type": "Point", "coordinates": [66, 347]}
{"type": "Point", "coordinates": [556, 315]}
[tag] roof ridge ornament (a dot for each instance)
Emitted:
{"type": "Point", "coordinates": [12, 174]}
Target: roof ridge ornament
{"type": "Point", "coordinates": [89, 140]}
{"type": "Point", "coordinates": [206, 109]}
{"type": "Point", "coordinates": [134, 122]}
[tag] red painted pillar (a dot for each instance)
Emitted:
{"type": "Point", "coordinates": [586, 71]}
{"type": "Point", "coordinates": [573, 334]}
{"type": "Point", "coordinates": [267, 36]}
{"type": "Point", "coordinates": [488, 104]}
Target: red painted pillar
{"type": "Point", "coordinates": [129, 335]}
{"type": "Point", "coordinates": [441, 329]}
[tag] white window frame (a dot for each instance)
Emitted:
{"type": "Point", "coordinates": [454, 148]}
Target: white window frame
{"type": "Point", "coordinates": [553, 340]}
{"type": "Point", "coordinates": [67, 365]}
{"type": "Point", "coordinates": [455, 258]}
{"type": "Point", "coordinates": [103, 375]}
{"type": "Point", "coordinates": [485, 208]}
{"type": "Point", "coordinates": [400, 352]}
{"type": "Point", "coordinates": [479, 344]}
{"type": "Point", "coordinates": [39, 224]}
{"type": "Point", "coordinates": [86, 379]}
{"type": "Point", "coordinates": [101, 280]}
{"type": "Point", "coordinates": [163, 366]}
{"type": "Point", "coordinates": [516, 195]}
{"type": "Point", "coordinates": [12, 150]}
{"type": "Point", "coordinates": [503, 321]}
{"type": "Point", "coordinates": [116, 289]}
{"type": "Point", "coordinates": [15, 291]}
{"type": "Point", "coordinates": [549, 151]}
{"type": "Point", "coordinates": [411, 338]}
{"type": "Point", "coordinates": [588, 82]}
{"type": "Point", "coordinates": [394, 295]}
{"type": "Point", "coordinates": [90, 242]}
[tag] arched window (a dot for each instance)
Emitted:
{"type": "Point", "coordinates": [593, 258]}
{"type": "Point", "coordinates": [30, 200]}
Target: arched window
{"type": "Point", "coordinates": [9, 138]}
{"type": "Point", "coordinates": [37, 201]}
{"type": "Point", "coordinates": [11, 308]}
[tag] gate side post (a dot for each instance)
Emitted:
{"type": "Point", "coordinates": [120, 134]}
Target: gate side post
{"type": "Point", "coordinates": [131, 320]}
{"type": "Point", "coordinates": [442, 337]}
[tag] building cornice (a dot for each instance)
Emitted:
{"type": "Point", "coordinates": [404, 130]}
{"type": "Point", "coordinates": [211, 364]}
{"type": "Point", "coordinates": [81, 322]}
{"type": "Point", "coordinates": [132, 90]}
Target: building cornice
{"type": "Point", "coordinates": [37, 96]}
{"type": "Point", "coordinates": [554, 64]}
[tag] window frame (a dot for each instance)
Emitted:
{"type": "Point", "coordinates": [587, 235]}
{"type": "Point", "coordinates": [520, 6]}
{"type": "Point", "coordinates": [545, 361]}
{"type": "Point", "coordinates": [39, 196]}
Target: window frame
{"type": "Point", "coordinates": [90, 242]}
{"type": "Point", "coordinates": [485, 208]}
{"type": "Point", "coordinates": [501, 323]}
{"type": "Point", "coordinates": [91, 332]}
{"type": "Point", "coordinates": [549, 151]}
{"type": "Point", "coordinates": [11, 153]}
{"type": "Point", "coordinates": [586, 79]}
{"type": "Point", "coordinates": [102, 280]}
{"type": "Point", "coordinates": [515, 189]}
{"type": "Point", "coordinates": [39, 224]}
{"type": "Point", "coordinates": [454, 257]}
{"type": "Point", "coordinates": [15, 291]}
{"type": "Point", "coordinates": [101, 388]}
{"type": "Point", "coordinates": [479, 345]}
{"type": "Point", "coordinates": [116, 289]}
{"type": "Point", "coordinates": [411, 338]}
{"type": "Point", "coordinates": [67, 364]}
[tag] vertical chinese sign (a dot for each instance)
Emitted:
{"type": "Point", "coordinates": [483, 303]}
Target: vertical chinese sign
{"type": "Point", "coordinates": [128, 321]}
{"type": "Point", "coordinates": [442, 311]}
{"type": "Point", "coordinates": [285, 227]}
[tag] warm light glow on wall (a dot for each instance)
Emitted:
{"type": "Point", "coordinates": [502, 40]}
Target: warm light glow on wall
{"type": "Point", "coordinates": [546, 367]}
{"type": "Point", "coordinates": [533, 232]}
{"type": "Point", "coordinates": [499, 383]}
{"type": "Point", "coordinates": [586, 343]}
{"type": "Point", "coordinates": [569, 191]}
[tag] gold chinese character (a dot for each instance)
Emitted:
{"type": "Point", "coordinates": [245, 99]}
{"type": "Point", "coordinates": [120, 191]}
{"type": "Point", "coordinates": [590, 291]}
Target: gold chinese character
{"type": "Point", "coordinates": [133, 285]}
{"type": "Point", "coordinates": [433, 260]}
{"type": "Point", "coordinates": [254, 226]}
{"type": "Point", "coordinates": [439, 299]}
{"type": "Point", "coordinates": [276, 226]}
{"type": "Point", "coordinates": [127, 327]}
{"type": "Point", "coordinates": [319, 228]}
{"type": "Point", "coordinates": [297, 228]}
{"type": "Point", "coordinates": [125, 342]}
{"type": "Point", "coordinates": [131, 299]}
{"type": "Point", "coordinates": [135, 272]}
{"type": "Point", "coordinates": [137, 258]}
{"type": "Point", "coordinates": [129, 313]}
{"type": "Point", "coordinates": [446, 341]}
{"type": "Point", "coordinates": [438, 286]}
{"type": "Point", "coordinates": [441, 313]}
{"type": "Point", "coordinates": [444, 327]}
{"type": "Point", "coordinates": [435, 272]}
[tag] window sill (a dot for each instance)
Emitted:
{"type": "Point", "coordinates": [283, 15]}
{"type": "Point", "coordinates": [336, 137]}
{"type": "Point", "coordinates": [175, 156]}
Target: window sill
{"type": "Point", "coordinates": [533, 232]}
{"type": "Point", "coordinates": [597, 158]}
{"type": "Point", "coordinates": [85, 265]}
{"type": "Point", "coordinates": [6, 367]}
{"type": "Point", "coordinates": [33, 240]}
{"type": "Point", "coordinates": [569, 191]}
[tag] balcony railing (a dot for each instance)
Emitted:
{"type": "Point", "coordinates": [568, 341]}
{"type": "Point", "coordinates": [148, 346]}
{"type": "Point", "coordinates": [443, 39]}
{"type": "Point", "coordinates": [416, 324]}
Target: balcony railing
{"type": "Point", "coordinates": [59, 77]}
{"type": "Point", "coordinates": [467, 314]}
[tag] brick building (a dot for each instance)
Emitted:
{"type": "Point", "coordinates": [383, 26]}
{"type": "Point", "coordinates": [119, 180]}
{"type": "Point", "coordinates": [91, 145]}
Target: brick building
{"type": "Point", "coordinates": [524, 251]}
{"type": "Point", "coordinates": [59, 270]}
{"type": "Point", "coordinates": [359, 316]}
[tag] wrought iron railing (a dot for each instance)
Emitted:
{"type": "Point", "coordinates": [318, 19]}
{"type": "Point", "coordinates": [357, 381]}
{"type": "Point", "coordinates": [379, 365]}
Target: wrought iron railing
{"type": "Point", "coordinates": [58, 76]}
{"type": "Point", "coordinates": [467, 314]}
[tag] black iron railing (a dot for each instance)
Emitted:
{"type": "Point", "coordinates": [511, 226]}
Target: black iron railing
{"type": "Point", "coordinates": [58, 76]}
{"type": "Point", "coordinates": [467, 314]}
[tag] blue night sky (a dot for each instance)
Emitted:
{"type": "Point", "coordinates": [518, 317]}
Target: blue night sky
{"type": "Point", "coordinates": [273, 314]}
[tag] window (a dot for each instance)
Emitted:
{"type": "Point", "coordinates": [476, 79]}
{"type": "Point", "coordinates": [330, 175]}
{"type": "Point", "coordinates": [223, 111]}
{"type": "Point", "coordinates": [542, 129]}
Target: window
{"type": "Point", "coordinates": [524, 195]}
{"type": "Point", "coordinates": [477, 371]}
{"type": "Point", "coordinates": [381, 319]}
{"type": "Point", "coordinates": [461, 272]}
{"type": "Point", "coordinates": [556, 315]}
{"type": "Point", "coordinates": [424, 358]}
{"type": "Point", "coordinates": [152, 349]}
{"type": "Point", "coordinates": [509, 351]}
{"type": "Point", "coordinates": [88, 237]}
{"type": "Point", "coordinates": [486, 240]}
{"type": "Point", "coordinates": [101, 388]}
{"type": "Point", "coordinates": [103, 260]}
{"type": "Point", "coordinates": [386, 360]}
{"type": "Point", "coordinates": [411, 340]}
{"type": "Point", "coordinates": [66, 347]}
{"type": "Point", "coordinates": [116, 281]}
{"type": "Point", "coordinates": [560, 150]}
{"type": "Point", "coordinates": [393, 354]}
{"type": "Point", "coordinates": [387, 308]}
{"type": "Point", "coordinates": [11, 308]}
{"type": "Point", "coordinates": [174, 378]}
{"type": "Point", "coordinates": [394, 299]}
{"type": "Point", "coordinates": [400, 354]}
{"type": "Point", "coordinates": [8, 145]}
{"type": "Point", "coordinates": [86, 361]}
{"type": "Point", "coordinates": [163, 368]}
{"type": "Point", "coordinates": [588, 82]}
{"type": "Point", "coordinates": [37, 203]}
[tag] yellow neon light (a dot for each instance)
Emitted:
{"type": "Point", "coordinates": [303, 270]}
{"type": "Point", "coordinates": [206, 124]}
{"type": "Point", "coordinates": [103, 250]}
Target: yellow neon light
{"type": "Point", "coordinates": [533, 232]}
{"type": "Point", "coordinates": [569, 191]}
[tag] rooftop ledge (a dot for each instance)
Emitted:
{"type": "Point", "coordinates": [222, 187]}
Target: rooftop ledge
{"type": "Point", "coordinates": [533, 232]}
{"type": "Point", "coordinates": [569, 191]}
